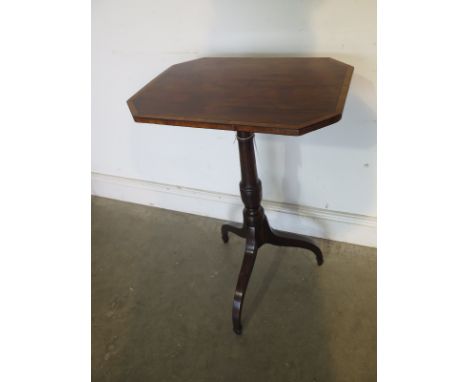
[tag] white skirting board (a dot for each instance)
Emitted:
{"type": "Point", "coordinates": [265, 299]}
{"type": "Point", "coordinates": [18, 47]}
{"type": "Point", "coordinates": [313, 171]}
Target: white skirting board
{"type": "Point", "coordinates": [316, 222]}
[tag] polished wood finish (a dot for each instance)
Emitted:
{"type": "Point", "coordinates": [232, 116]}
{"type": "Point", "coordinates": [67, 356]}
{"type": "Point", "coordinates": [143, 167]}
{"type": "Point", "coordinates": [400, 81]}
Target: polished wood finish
{"type": "Point", "coordinates": [255, 228]}
{"type": "Point", "coordinates": [287, 96]}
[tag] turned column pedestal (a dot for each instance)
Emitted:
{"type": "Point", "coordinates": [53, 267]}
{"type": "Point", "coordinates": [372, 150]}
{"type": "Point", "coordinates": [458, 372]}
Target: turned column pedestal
{"type": "Point", "coordinates": [255, 228]}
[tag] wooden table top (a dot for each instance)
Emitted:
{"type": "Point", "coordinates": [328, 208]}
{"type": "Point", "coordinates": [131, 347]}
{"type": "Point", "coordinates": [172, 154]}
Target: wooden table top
{"type": "Point", "coordinates": [287, 96]}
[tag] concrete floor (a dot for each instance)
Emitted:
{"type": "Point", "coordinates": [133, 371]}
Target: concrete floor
{"type": "Point", "coordinates": [162, 288]}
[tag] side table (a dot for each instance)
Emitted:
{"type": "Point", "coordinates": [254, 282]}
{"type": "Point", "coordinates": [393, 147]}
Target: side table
{"type": "Point", "coordinates": [284, 96]}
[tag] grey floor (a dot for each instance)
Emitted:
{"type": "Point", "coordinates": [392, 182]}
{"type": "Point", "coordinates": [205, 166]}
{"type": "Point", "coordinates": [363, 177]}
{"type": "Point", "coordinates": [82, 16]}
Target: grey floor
{"type": "Point", "coordinates": [162, 287]}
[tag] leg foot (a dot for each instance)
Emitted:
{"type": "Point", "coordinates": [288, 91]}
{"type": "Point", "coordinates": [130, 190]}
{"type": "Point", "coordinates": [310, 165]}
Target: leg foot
{"type": "Point", "coordinates": [235, 228]}
{"type": "Point", "coordinates": [293, 240]}
{"type": "Point", "coordinates": [237, 328]}
{"type": "Point", "coordinates": [243, 281]}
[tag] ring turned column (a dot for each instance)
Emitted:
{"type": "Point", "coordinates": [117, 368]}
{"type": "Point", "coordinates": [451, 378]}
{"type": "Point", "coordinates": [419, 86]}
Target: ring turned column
{"type": "Point", "coordinates": [255, 228]}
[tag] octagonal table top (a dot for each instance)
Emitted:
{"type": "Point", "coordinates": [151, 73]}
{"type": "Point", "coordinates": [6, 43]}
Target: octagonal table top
{"type": "Point", "coordinates": [287, 96]}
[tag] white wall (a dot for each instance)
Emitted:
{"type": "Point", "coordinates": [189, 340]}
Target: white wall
{"type": "Point", "coordinates": [332, 169]}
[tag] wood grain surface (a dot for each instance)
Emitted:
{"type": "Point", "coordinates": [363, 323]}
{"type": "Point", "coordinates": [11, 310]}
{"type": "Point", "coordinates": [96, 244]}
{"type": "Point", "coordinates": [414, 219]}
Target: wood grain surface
{"type": "Point", "coordinates": [287, 96]}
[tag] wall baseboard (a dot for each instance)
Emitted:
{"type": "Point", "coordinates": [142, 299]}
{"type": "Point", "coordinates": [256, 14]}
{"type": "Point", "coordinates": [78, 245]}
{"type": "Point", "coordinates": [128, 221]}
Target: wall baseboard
{"type": "Point", "coordinates": [317, 222]}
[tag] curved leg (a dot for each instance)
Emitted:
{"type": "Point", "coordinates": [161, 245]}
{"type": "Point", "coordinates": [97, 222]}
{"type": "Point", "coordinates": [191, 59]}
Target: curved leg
{"type": "Point", "coordinates": [293, 240]}
{"type": "Point", "coordinates": [248, 262]}
{"type": "Point", "coordinates": [235, 228]}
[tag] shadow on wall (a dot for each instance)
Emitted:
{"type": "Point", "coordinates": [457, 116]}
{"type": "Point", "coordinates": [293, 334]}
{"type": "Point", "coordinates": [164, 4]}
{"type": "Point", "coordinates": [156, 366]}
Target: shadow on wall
{"type": "Point", "coordinates": [279, 28]}
{"type": "Point", "coordinates": [356, 131]}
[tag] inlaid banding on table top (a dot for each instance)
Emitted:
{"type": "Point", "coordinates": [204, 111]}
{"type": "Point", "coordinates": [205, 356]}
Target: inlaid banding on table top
{"type": "Point", "coordinates": [286, 96]}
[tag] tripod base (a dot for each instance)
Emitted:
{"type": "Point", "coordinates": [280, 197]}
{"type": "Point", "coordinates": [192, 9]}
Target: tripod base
{"type": "Point", "coordinates": [257, 235]}
{"type": "Point", "coordinates": [271, 236]}
{"type": "Point", "coordinates": [255, 230]}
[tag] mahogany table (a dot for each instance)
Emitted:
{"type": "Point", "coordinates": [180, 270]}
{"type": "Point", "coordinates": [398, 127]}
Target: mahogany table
{"type": "Point", "coordinates": [285, 96]}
